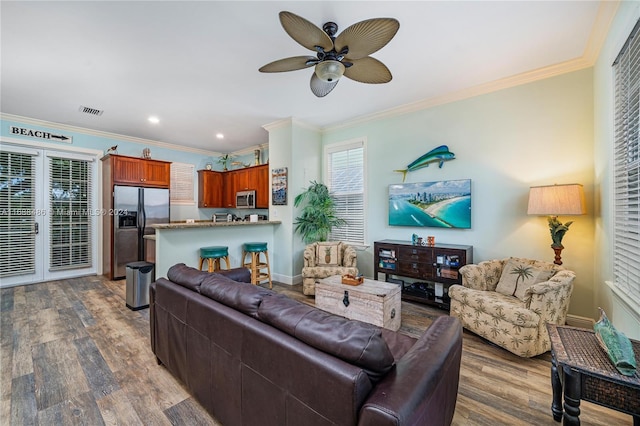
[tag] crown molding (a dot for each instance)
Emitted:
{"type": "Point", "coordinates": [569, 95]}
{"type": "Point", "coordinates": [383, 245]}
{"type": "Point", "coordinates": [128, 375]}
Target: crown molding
{"type": "Point", "coordinates": [482, 89]}
{"type": "Point", "coordinates": [278, 124]}
{"type": "Point", "coordinates": [102, 134]}
{"type": "Point", "coordinates": [251, 149]}
{"type": "Point", "coordinates": [606, 13]}
{"type": "Point", "coordinates": [291, 121]}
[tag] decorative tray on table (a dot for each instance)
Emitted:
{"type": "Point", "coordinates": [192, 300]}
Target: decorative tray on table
{"type": "Point", "coordinates": [351, 280]}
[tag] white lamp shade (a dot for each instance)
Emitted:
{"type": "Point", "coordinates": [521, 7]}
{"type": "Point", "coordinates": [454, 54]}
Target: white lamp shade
{"type": "Point", "coordinates": [556, 200]}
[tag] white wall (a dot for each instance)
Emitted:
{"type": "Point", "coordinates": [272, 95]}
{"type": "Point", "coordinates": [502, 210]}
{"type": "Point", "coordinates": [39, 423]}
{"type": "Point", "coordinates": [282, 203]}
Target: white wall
{"type": "Point", "coordinates": [297, 147]}
{"type": "Point", "coordinates": [624, 317]}
{"type": "Point", "coordinates": [534, 134]}
{"type": "Point", "coordinates": [182, 245]}
{"type": "Point", "coordinates": [86, 138]}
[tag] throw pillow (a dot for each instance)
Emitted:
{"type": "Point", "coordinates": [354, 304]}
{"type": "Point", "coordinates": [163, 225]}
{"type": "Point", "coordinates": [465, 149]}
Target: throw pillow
{"type": "Point", "coordinates": [517, 276]}
{"type": "Point", "coordinates": [327, 254]}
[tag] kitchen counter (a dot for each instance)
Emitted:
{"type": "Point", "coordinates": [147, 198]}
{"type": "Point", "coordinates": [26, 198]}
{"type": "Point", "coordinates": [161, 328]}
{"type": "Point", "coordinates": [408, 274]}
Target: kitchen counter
{"type": "Point", "coordinates": [209, 224]}
{"type": "Point", "coordinates": [180, 242]}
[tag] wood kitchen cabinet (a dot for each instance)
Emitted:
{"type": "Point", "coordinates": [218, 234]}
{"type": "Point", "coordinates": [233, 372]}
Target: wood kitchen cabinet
{"type": "Point", "coordinates": [255, 178]}
{"type": "Point", "coordinates": [210, 189]}
{"type": "Point", "coordinates": [262, 188]}
{"type": "Point", "coordinates": [228, 190]}
{"type": "Point", "coordinates": [139, 171]}
{"type": "Point", "coordinates": [120, 170]}
{"type": "Point", "coordinates": [242, 180]}
{"type": "Point", "coordinates": [250, 178]}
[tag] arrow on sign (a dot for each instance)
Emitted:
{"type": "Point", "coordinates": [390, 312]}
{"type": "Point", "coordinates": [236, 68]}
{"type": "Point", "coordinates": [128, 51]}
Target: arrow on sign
{"type": "Point", "coordinates": [38, 134]}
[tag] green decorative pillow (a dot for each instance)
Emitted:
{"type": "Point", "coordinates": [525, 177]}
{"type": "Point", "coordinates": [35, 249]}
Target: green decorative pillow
{"type": "Point", "coordinates": [616, 344]}
{"type": "Point", "coordinates": [517, 276]}
{"type": "Point", "coordinates": [327, 254]}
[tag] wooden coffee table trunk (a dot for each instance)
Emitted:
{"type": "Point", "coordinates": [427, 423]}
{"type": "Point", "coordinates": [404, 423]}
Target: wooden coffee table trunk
{"type": "Point", "coordinates": [375, 302]}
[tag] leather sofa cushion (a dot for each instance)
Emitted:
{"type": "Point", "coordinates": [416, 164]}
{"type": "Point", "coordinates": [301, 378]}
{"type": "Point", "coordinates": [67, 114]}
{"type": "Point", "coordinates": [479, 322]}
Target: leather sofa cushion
{"type": "Point", "coordinates": [399, 344]}
{"type": "Point", "coordinates": [241, 274]}
{"type": "Point", "coordinates": [192, 278]}
{"type": "Point", "coordinates": [355, 342]}
{"type": "Point", "coordinates": [243, 297]}
{"type": "Point", "coordinates": [186, 276]}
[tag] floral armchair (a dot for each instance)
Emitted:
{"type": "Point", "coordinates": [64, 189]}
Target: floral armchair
{"type": "Point", "coordinates": [324, 259]}
{"type": "Point", "coordinates": [509, 301]}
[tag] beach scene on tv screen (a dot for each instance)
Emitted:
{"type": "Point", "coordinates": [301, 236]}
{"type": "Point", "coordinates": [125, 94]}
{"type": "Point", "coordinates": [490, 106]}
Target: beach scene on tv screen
{"type": "Point", "coordinates": [442, 204]}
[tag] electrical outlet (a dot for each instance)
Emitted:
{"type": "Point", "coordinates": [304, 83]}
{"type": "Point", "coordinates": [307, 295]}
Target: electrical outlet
{"type": "Point", "coordinates": [275, 213]}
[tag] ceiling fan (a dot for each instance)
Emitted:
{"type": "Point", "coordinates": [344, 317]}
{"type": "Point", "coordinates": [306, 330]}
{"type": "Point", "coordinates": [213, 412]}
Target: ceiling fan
{"type": "Point", "coordinates": [347, 54]}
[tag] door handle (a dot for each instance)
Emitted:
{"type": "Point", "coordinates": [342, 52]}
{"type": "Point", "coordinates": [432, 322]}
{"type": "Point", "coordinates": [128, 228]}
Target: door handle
{"type": "Point", "coordinates": [36, 228]}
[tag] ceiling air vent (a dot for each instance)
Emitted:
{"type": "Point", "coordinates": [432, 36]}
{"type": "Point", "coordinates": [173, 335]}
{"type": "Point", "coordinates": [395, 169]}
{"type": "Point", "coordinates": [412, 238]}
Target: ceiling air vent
{"type": "Point", "coordinates": [92, 111]}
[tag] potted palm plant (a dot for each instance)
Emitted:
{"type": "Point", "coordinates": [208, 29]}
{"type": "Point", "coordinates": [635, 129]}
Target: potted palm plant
{"type": "Point", "coordinates": [318, 215]}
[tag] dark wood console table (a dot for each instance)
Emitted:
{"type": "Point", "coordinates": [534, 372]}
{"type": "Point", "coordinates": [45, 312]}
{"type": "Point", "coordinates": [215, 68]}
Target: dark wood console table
{"type": "Point", "coordinates": [431, 269]}
{"type": "Point", "coordinates": [583, 369]}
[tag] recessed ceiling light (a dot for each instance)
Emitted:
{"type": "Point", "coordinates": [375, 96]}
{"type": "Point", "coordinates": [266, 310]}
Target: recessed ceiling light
{"type": "Point", "coordinates": [219, 136]}
{"type": "Point", "coordinates": [154, 119]}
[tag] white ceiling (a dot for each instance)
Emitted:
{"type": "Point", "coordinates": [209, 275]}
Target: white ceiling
{"type": "Point", "coordinates": [195, 64]}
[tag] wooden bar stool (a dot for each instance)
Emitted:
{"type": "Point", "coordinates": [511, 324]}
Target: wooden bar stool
{"type": "Point", "coordinates": [256, 266]}
{"type": "Point", "coordinates": [213, 255]}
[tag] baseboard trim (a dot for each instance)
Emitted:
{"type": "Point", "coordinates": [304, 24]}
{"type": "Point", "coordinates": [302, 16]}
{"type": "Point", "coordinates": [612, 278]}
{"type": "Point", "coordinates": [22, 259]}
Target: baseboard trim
{"type": "Point", "coordinates": [287, 279]}
{"type": "Point", "coordinates": [582, 322]}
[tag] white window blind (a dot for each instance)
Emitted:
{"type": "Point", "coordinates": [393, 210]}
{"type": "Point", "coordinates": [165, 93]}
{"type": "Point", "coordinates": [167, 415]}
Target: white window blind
{"type": "Point", "coordinates": [626, 263]}
{"type": "Point", "coordinates": [182, 184]}
{"type": "Point", "coordinates": [345, 180]}
{"type": "Point", "coordinates": [17, 219]}
{"type": "Point", "coordinates": [70, 213]}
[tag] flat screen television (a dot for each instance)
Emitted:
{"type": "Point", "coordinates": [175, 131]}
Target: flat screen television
{"type": "Point", "coordinates": [441, 204]}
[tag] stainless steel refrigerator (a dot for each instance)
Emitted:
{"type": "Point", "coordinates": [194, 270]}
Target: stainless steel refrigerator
{"type": "Point", "coordinates": [135, 209]}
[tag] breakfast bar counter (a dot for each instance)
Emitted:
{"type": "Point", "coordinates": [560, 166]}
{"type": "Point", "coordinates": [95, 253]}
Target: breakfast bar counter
{"type": "Point", "coordinates": [180, 242]}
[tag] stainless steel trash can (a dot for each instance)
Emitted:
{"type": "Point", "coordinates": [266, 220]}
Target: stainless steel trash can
{"type": "Point", "coordinates": [139, 276]}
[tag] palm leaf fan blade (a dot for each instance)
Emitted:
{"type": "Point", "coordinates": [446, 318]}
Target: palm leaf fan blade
{"type": "Point", "coordinates": [304, 32]}
{"type": "Point", "coordinates": [367, 37]}
{"type": "Point", "coordinates": [289, 64]}
{"type": "Point", "coordinates": [368, 70]}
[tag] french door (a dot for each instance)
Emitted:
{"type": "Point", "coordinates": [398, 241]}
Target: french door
{"type": "Point", "coordinates": [48, 221]}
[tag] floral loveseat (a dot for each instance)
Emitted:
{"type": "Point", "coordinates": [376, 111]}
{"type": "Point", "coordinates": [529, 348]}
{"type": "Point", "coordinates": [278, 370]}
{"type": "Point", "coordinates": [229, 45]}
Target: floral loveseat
{"type": "Point", "coordinates": [324, 259]}
{"type": "Point", "coordinates": [509, 301]}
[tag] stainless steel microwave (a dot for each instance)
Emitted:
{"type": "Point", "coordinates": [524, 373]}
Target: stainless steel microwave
{"type": "Point", "coordinates": [246, 200]}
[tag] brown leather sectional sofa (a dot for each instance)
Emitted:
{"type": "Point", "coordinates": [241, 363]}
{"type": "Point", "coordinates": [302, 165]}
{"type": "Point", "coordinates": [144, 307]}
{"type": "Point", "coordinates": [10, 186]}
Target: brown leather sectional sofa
{"type": "Point", "coordinates": [254, 357]}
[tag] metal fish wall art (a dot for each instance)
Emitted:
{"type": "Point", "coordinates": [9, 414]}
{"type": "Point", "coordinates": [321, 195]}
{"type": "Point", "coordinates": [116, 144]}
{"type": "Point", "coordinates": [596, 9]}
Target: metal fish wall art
{"type": "Point", "coordinates": [436, 155]}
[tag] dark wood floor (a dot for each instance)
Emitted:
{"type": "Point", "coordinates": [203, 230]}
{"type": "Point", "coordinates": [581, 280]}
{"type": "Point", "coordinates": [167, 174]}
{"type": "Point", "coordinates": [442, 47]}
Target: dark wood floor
{"type": "Point", "coordinates": [72, 353]}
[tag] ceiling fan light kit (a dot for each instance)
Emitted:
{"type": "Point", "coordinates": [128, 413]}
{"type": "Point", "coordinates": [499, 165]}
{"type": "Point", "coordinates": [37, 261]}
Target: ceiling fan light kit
{"type": "Point", "coordinates": [347, 54]}
{"type": "Point", "coordinates": [330, 70]}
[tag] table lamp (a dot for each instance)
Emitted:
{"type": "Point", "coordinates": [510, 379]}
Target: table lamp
{"type": "Point", "coordinates": [553, 201]}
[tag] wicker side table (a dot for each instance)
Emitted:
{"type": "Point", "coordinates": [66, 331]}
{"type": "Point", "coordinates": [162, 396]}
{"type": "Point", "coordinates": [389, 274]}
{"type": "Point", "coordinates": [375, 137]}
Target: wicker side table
{"type": "Point", "coordinates": [583, 369]}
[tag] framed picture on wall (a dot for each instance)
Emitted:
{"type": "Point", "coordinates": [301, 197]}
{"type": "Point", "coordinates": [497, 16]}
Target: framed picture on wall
{"type": "Point", "coordinates": [279, 186]}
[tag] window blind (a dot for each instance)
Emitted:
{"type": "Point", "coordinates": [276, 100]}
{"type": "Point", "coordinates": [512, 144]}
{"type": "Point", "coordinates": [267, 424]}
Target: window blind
{"type": "Point", "coordinates": [17, 219]}
{"type": "Point", "coordinates": [182, 184]}
{"type": "Point", "coordinates": [345, 177]}
{"type": "Point", "coordinates": [626, 263]}
{"type": "Point", "coordinates": [70, 213]}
